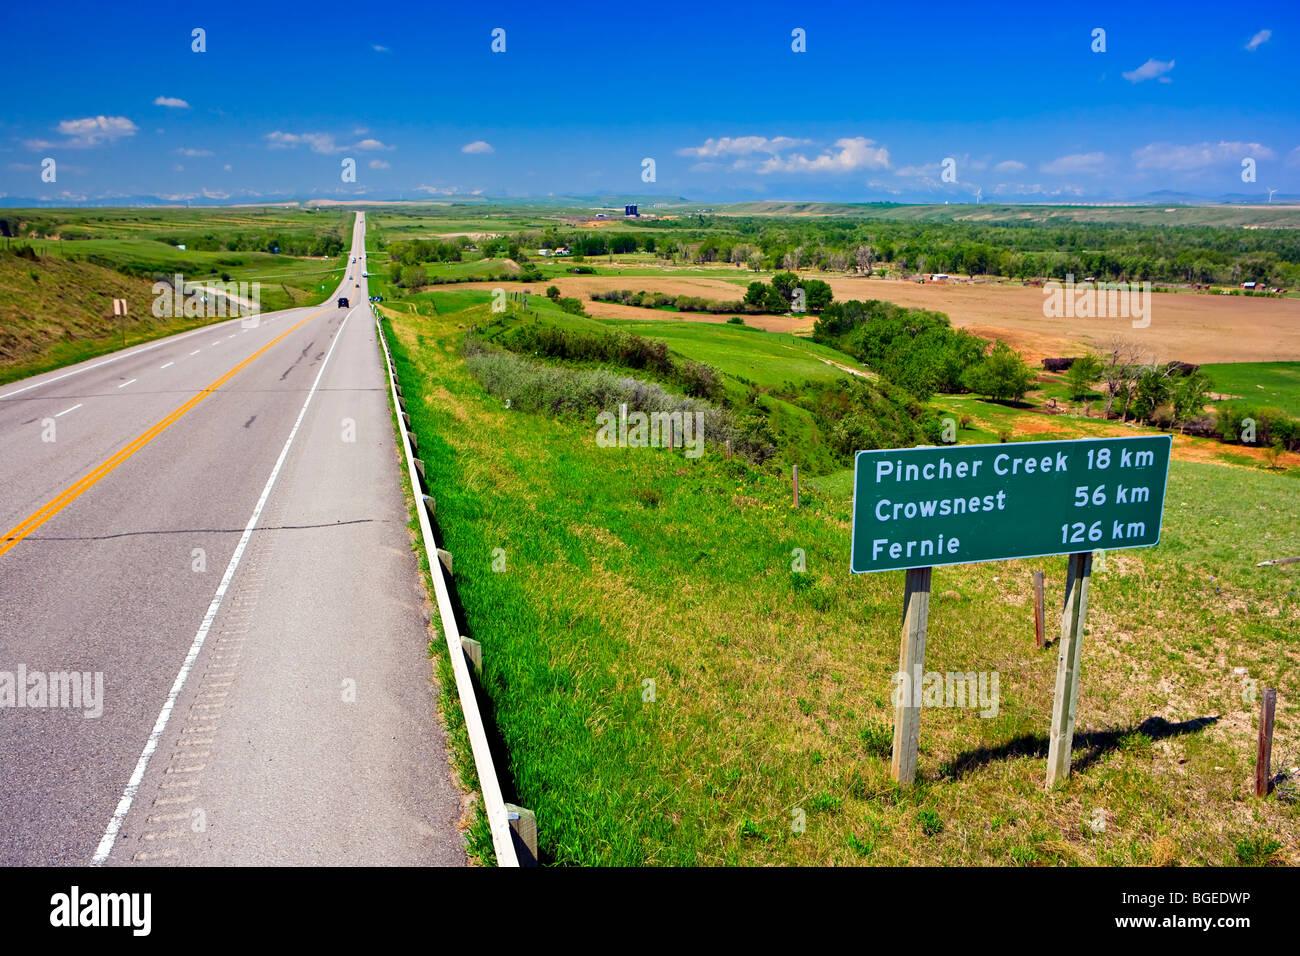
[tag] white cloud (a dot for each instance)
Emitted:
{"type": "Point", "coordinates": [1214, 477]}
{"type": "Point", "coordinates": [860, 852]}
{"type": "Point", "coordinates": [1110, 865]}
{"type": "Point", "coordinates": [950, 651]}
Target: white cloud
{"type": "Point", "coordinates": [1258, 40]}
{"type": "Point", "coordinates": [1009, 166]}
{"type": "Point", "coordinates": [378, 164]}
{"type": "Point", "coordinates": [1293, 157]}
{"type": "Point", "coordinates": [226, 167]}
{"type": "Point", "coordinates": [850, 153]}
{"type": "Point", "coordinates": [741, 146]}
{"type": "Point", "coordinates": [171, 102]}
{"type": "Point", "coordinates": [89, 131]}
{"type": "Point", "coordinates": [478, 146]}
{"type": "Point", "coordinates": [379, 49]}
{"type": "Point", "coordinates": [1150, 70]}
{"type": "Point", "coordinates": [1195, 156]}
{"type": "Point", "coordinates": [194, 152]}
{"type": "Point", "coordinates": [319, 142]}
{"type": "Point", "coordinates": [1075, 163]}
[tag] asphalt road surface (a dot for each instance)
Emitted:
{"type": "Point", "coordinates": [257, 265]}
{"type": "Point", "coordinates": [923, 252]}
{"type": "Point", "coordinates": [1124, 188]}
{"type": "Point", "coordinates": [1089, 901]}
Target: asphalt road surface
{"type": "Point", "coordinates": [214, 523]}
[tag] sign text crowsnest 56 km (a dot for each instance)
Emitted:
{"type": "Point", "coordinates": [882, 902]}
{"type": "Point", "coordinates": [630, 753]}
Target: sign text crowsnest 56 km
{"type": "Point", "coordinates": [954, 504]}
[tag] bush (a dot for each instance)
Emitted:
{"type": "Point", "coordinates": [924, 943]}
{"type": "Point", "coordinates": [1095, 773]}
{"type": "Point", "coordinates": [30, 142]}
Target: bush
{"type": "Point", "coordinates": [1002, 374]}
{"type": "Point", "coordinates": [914, 348]}
{"type": "Point", "coordinates": [554, 390]}
{"type": "Point", "coordinates": [571, 305]}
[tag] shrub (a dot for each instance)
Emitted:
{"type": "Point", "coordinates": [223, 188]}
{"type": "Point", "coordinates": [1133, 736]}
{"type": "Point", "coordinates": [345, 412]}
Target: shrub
{"type": "Point", "coordinates": [1002, 374]}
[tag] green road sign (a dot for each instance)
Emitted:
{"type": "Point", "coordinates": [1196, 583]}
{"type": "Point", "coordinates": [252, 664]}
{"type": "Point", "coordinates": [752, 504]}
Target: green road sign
{"type": "Point", "coordinates": [955, 504]}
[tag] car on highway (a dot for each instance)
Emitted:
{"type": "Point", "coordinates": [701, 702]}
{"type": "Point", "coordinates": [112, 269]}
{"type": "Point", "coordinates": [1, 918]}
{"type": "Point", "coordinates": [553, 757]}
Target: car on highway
{"type": "Point", "coordinates": [343, 302]}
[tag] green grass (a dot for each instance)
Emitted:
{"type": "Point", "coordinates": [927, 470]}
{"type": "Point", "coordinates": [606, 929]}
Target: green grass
{"type": "Point", "coordinates": [669, 692]}
{"type": "Point", "coordinates": [748, 354]}
{"type": "Point", "coordinates": [1259, 383]}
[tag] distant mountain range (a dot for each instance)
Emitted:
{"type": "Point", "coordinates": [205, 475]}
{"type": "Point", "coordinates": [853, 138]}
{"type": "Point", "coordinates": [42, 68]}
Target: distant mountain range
{"type": "Point", "coordinates": [649, 203]}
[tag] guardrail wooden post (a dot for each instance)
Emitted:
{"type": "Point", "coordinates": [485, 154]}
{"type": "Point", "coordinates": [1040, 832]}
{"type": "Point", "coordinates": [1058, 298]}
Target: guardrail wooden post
{"type": "Point", "coordinates": [1264, 750]}
{"type": "Point", "coordinates": [1039, 611]}
{"type": "Point", "coordinates": [474, 651]}
{"type": "Point", "coordinates": [430, 505]}
{"type": "Point", "coordinates": [911, 667]}
{"type": "Point", "coordinates": [445, 557]}
{"type": "Point", "coordinates": [523, 826]}
{"type": "Point", "coordinates": [1065, 703]}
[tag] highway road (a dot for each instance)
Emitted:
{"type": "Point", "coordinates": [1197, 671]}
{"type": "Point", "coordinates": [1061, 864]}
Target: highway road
{"type": "Point", "coordinates": [214, 523]}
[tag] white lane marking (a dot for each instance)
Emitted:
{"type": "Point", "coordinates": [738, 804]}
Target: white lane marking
{"type": "Point", "coordinates": [230, 336]}
{"type": "Point", "coordinates": [159, 344]}
{"type": "Point", "coordinates": [72, 409]}
{"type": "Point", "coordinates": [125, 384]}
{"type": "Point", "coordinates": [160, 725]}
{"type": "Point", "coordinates": [168, 365]}
{"type": "Point", "coordinates": [195, 352]}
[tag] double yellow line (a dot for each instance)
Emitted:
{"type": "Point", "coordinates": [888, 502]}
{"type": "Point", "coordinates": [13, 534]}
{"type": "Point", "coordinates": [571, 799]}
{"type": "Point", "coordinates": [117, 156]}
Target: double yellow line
{"type": "Point", "coordinates": [53, 507]}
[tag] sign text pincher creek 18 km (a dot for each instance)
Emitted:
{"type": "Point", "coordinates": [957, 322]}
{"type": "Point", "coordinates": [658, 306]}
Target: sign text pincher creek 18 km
{"type": "Point", "coordinates": [956, 504]}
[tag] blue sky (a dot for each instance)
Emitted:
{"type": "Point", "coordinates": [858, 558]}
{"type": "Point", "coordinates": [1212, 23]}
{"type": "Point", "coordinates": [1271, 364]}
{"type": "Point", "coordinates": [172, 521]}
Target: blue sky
{"type": "Point", "coordinates": [1012, 93]}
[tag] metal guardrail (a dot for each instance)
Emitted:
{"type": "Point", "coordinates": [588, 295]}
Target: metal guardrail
{"type": "Point", "coordinates": [499, 814]}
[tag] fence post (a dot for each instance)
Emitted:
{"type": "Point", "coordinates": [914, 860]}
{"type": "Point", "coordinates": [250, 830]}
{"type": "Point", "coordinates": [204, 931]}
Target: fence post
{"type": "Point", "coordinates": [1039, 612]}
{"type": "Point", "coordinates": [1264, 751]}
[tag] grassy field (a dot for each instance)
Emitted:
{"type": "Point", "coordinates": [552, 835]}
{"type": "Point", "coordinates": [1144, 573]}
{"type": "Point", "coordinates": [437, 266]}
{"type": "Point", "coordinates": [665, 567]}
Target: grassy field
{"type": "Point", "coordinates": [747, 353]}
{"type": "Point", "coordinates": [56, 306]}
{"type": "Point", "coordinates": [670, 690]}
{"type": "Point", "coordinates": [1259, 383]}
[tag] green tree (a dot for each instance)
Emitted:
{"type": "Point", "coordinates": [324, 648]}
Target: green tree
{"type": "Point", "coordinates": [1002, 374]}
{"type": "Point", "coordinates": [1191, 393]}
{"type": "Point", "coordinates": [1081, 375]}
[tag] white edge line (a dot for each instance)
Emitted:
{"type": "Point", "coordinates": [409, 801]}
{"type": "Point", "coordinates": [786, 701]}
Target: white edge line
{"type": "Point", "coordinates": [137, 776]}
{"type": "Point", "coordinates": [168, 365]}
{"type": "Point", "coordinates": [494, 804]}
{"type": "Point", "coordinates": [72, 409]}
{"type": "Point", "coordinates": [125, 384]}
{"type": "Point", "coordinates": [118, 355]}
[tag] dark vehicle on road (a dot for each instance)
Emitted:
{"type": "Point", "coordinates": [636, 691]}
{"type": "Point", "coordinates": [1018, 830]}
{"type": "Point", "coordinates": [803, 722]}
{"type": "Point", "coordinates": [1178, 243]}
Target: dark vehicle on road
{"type": "Point", "coordinates": [343, 302]}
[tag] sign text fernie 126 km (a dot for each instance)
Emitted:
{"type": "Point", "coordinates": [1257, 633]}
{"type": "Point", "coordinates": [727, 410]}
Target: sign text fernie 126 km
{"type": "Point", "coordinates": [954, 504]}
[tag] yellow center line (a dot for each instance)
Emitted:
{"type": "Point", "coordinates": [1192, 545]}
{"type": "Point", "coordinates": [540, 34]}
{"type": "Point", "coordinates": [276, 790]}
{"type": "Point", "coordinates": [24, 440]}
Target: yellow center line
{"type": "Point", "coordinates": [53, 507]}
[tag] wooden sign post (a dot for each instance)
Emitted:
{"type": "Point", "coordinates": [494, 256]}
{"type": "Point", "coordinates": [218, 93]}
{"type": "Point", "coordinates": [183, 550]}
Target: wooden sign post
{"type": "Point", "coordinates": [915, 509]}
{"type": "Point", "coordinates": [1065, 703]}
{"type": "Point", "coordinates": [911, 665]}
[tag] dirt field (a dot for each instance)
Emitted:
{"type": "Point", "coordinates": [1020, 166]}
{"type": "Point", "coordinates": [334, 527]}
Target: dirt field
{"type": "Point", "coordinates": [1184, 326]}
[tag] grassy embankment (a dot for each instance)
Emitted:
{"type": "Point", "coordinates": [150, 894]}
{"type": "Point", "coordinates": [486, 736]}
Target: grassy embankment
{"type": "Point", "coordinates": [56, 308]}
{"type": "Point", "coordinates": [771, 688]}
